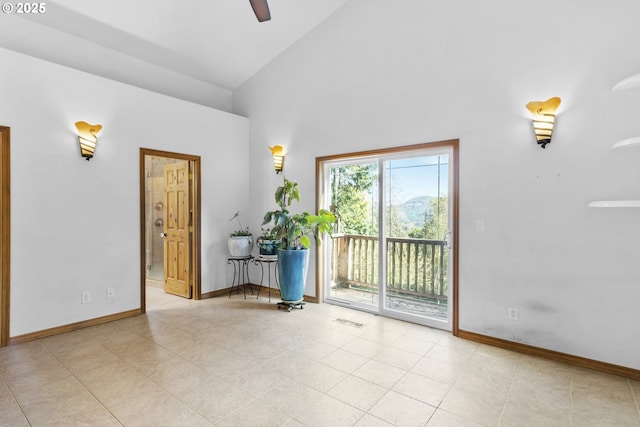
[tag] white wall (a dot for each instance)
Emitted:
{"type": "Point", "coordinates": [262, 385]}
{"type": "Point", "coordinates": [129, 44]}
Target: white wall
{"type": "Point", "coordinates": [380, 74]}
{"type": "Point", "coordinates": [75, 224]}
{"type": "Point", "coordinates": [22, 33]}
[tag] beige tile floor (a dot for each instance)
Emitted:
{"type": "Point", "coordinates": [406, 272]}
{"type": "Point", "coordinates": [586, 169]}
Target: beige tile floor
{"type": "Point", "coordinates": [235, 362]}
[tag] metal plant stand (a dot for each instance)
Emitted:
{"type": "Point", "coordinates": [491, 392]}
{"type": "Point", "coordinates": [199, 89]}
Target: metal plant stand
{"type": "Point", "coordinates": [240, 274]}
{"type": "Point", "coordinates": [261, 260]}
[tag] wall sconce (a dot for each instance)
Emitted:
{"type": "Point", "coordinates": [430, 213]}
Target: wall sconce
{"type": "Point", "coordinates": [88, 138]}
{"type": "Point", "coordinates": [544, 117]}
{"type": "Point", "coordinates": [278, 157]}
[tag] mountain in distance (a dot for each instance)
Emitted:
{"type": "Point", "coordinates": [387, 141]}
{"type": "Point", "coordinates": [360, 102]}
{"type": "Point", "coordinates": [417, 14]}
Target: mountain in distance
{"type": "Point", "coordinates": [415, 209]}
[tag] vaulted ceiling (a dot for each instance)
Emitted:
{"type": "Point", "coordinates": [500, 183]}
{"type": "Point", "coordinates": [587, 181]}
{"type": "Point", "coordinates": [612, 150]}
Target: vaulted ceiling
{"type": "Point", "coordinates": [198, 50]}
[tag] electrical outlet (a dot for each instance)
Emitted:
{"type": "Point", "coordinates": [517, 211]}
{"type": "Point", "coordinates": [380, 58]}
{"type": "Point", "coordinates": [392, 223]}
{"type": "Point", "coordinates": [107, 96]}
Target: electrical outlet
{"type": "Point", "coordinates": [85, 297]}
{"type": "Point", "coordinates": [111, 294]}
{"type": "Point", "coordinates": [513, 313]}
{"type": "Point", "coordinates": [480, 224]}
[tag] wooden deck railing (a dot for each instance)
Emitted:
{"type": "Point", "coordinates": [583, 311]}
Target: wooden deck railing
{"type": "Point", "coordinates": [414, 266]}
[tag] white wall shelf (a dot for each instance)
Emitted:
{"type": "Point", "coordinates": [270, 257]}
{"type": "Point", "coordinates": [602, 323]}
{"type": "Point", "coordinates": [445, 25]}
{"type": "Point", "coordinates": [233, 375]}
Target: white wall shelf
{"type": "Point", "coordinates": [614, 204]}
{"type": "Point", "coordinates": [628, 83]}
{"type": "Point", "coordinates": [624, 84]}
{"type": "Point", "coordinates": [627, 143]}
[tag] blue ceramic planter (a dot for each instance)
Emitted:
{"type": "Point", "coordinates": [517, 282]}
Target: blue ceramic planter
{"type": "Point", "coordinates": [292, 270]}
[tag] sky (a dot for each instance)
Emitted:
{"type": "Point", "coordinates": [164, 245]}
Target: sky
{"type": "Point", "coordinates": [417, 176]}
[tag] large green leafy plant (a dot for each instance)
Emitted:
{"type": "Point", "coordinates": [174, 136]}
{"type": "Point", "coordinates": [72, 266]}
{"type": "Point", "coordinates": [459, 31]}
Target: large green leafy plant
{"type": "Point", "coordinates": [295, 230]}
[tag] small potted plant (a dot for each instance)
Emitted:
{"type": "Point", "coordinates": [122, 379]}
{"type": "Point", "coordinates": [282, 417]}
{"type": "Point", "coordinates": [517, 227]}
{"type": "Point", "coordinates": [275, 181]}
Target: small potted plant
{"type": "Point", "coordinates": [268, 243]}
{"type": "Point", "coordinates": [240, 242]}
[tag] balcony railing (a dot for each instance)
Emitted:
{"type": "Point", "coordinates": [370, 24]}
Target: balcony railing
{"type": "Point", "coordinates": [415, 267]}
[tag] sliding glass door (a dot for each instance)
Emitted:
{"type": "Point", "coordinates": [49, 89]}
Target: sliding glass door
{"type": "Point", "coordinates": [391, 251]}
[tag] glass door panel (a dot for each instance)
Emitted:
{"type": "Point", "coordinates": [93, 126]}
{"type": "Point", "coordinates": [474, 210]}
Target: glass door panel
{"type": "Point", "coordinates": [416, 226]}
{"type": "Point", "coordinates": [353, 197]}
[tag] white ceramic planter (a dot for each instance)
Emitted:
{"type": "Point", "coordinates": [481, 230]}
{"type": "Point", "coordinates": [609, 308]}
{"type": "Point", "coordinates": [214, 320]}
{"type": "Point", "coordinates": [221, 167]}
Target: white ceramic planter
{"type": "Point", "coordinates": [240, 246]}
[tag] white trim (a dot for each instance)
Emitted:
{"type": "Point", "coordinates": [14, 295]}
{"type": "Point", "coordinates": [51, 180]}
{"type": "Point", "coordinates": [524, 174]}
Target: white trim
{"type": "Point", "coordinates": [614, 204]}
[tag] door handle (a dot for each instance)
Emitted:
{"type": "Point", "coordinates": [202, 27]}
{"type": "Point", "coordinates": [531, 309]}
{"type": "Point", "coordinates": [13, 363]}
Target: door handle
{"type": "Point", "coordinates": [163, 235]}
{"type": "Point", "coordinates": [447, 239]}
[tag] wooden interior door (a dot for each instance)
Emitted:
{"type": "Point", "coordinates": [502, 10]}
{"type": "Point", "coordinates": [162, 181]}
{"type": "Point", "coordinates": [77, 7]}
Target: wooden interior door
{"type": "Point", "coordinates": [177, 225]}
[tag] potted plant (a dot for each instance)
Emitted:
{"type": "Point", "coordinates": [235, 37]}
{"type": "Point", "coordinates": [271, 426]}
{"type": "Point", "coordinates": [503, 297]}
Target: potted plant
{"type": "Point", "coordinates": [240, 242]}
{"type": "Point", "coordinates": [295, 232]}
{"type": "Point", "coordinates": [268, 243]}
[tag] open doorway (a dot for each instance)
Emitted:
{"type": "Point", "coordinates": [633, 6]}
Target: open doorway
{"type": "Point", "coordinates": [169, 223]}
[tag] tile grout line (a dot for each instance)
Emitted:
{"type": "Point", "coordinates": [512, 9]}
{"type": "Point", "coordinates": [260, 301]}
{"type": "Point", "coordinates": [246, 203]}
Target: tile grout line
{"type": "Point", "coordinates": [326, 393]}
{"type": "Point", "coordinates": [73, 374]}
{"type": "Point", "coordinates": [15, 399]}
{"type": "Point", "coordinates": [151, 340]}
{"type": "Point", "coordinates": [571, 397]}
{"type": "Point", "coordinates": [141, 337]}
{"type": "Point", "coordinates": [273, 408]}
{"type": "Point", "coordinates": [450, 386]}
{"type": "Point", "coordinates": [388, 390]}
{"type": "Point", "coordinates": [350, 374]}
{"type": "Point", "coordinates": [636, 398]}
{"type": "Point", "coordinates": [513, 381]}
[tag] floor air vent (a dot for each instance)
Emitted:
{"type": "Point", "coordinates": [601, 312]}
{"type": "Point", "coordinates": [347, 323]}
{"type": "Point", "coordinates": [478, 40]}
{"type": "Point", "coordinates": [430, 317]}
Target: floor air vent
{"type": "Point", "coordinates": [349, 322]}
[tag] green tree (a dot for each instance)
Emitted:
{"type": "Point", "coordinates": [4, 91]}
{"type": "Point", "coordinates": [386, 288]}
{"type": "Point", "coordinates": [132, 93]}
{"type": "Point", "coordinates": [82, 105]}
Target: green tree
{"type": "Point", "coordinates": [436, 221]}
{"type": "Point", "coordinates": [398, 223]}
{"type": "Point", "coordinates": [351, 188]}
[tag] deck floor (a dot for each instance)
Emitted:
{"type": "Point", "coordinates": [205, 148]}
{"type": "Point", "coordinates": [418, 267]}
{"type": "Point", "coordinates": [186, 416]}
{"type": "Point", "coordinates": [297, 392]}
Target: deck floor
{"type": "Point", "coordinates": [410, 304]}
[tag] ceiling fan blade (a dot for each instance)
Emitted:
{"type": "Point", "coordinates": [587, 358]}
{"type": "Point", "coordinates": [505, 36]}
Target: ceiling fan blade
{"type": "Point", "coordinates": [261, 9]}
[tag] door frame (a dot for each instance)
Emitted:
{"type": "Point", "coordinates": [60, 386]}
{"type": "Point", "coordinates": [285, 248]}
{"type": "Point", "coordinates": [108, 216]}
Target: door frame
{"type": "Point", "coordinates": [454, 145]}
{"type": "Point", "coordinates": [196, 223]}
{"type": "Point", "coordinates": [5, 234]}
